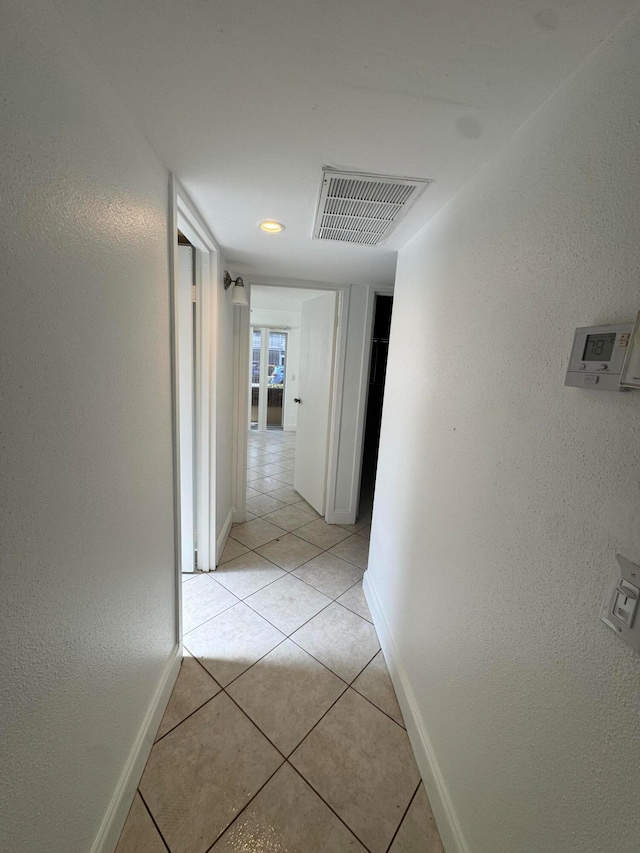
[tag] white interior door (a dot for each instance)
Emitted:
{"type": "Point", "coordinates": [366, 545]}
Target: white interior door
{"type": "Point", "coordinates": [185, 347]}
{"type": "Point", "coordinates": [317, 341]}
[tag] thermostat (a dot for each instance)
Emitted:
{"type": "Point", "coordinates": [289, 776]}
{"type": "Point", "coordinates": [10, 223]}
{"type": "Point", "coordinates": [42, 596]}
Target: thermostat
{"type": "Point", "coordinates": [597, 357]}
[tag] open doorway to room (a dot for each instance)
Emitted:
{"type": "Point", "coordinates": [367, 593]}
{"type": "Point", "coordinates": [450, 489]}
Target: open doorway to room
{"type": "Point", "coordinates": [290, 383]}
{"type": "Point", "coordinates": [381, 327]}
{"type": "Point", "coordinates": [195, 269]}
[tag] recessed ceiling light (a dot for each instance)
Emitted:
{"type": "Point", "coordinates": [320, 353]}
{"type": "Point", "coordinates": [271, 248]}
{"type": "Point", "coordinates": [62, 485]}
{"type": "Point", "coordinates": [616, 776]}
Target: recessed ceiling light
{"type": "Point", "coordinates": [271, 226]}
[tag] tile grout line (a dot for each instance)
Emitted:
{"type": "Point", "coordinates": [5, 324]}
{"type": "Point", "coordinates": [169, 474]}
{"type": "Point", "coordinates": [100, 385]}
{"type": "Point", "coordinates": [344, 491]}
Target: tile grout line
{"type": "Point", "coordinates": [317, 660]}
{"type": "Point", "coordinates": [253, 723]}
{"type": "Point", "coordinates": [270, 583]}
{"type": "Point", "coordinates": [310, 560]}
{"type": "Point", "coordinates": [284, 756]}
{"type": "Point", "coordinates": [347, 685]}
{"type": "Point", "coordinates": [290, 636]}
{"type": "Point", "coordinates": [246, 805]}
{"type": "Point", "coordinates": [255, 591]}
{"type": "Point", "coordinates": [406, 812]}
{"type": "Point", "coordinates": [262, 657]}
{"type": "Point", "coordinates": [219, 613]}
{"type": "Point", "coordinates": [353, 611]}
{"type": "Point", "coordinates": [162, 838]}
{"type": "Point", "coordinates": [280, 753]}
{"type": "Point", "coordinates": [333, 599]}
{"type": "Point", "coordinates": [371, 702]}
{"type": "Point", "coordinates": [342, 821]}
{"type": "Point", "coordinates": [195, 710]}
{"type": "Point", "coordinates": [290, 571]}
{"type": "Point", "coordinates": [319, 590]}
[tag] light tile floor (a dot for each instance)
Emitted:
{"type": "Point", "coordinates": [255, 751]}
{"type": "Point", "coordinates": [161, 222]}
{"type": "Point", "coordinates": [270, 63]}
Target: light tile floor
{"type": "Point", "coordinates": [283, 732]}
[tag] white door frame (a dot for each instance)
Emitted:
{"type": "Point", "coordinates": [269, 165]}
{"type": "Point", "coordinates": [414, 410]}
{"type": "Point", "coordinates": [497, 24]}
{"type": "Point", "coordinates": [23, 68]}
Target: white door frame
{"type": "Point", "coordinates": [184, 216]}
{"type": "Point", "coordinates": [241, 414]}
{"type": "Point", "coordinates": [241, 366]}
{"type": "Point", "coordinates": [185, 332]}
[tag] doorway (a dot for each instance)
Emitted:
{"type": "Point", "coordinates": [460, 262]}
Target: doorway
{"type": "Point", "coordinates": [381, 328]}
{"type": "Point", "coordinates": [292, 344]}
{"type": "Point", "coordinates": [196, 269]}
{"type": "Point", "coordinates": [186, 345]}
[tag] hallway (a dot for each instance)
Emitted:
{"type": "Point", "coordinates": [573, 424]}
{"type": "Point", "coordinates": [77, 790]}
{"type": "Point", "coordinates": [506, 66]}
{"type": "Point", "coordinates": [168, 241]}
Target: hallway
{"type": "Point", "coordinates": [479, 162]}
{"type": "Point", "coordinates": [283, 732]}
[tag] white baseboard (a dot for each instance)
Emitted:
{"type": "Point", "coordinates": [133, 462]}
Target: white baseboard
{"type": "Point", "coordinates": [113, 821]}
{"type": "Point", "coordinates": [340, 517]}
{"type": "Point", "coordinates": [450, 831]}
{"type": "Point", "coordinates": [224, 533]}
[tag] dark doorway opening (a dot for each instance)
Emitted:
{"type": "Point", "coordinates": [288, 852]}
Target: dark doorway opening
{"type": "Point", "coordinates": [375, 394]}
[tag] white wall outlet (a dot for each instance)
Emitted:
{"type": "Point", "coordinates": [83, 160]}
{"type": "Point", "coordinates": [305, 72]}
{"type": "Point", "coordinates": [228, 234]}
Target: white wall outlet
{"type": "Point", "coordinates": [621, 601]}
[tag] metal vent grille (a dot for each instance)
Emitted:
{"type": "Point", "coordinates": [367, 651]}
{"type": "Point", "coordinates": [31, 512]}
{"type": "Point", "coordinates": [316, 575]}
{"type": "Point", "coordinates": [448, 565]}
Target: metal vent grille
{"type": "Point", "coordinates": [365, 209]}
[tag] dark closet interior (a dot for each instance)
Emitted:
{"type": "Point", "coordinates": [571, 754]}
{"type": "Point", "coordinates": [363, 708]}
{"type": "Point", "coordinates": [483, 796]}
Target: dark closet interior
{"type": "Point", "coordinates": [377, 374]}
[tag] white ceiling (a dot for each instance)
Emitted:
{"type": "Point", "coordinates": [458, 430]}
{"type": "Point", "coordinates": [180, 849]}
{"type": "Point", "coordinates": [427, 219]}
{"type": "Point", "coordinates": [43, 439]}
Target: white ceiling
{"type": "Point", "coordinates": [246, 100]}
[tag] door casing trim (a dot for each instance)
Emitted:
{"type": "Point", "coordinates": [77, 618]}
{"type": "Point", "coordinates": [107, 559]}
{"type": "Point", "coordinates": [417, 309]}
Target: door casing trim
{"type": "Point", "coordinates": [184, 215]}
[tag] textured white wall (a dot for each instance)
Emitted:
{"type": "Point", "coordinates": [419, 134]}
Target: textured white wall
{"type": "Point", "coordinates": [88, 588]}
{"type": "Point", "coordinates": [502, 496]}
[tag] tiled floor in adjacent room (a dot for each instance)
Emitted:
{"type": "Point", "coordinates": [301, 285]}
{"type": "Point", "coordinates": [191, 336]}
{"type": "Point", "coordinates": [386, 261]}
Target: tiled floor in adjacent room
{"type": "Point", "coordinates": [283, 733]}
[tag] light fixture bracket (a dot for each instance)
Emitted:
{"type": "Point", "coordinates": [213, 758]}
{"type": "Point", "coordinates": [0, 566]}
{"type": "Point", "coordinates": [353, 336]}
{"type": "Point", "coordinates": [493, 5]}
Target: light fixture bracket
{"type": "Point", "coordinates": [228, 281]}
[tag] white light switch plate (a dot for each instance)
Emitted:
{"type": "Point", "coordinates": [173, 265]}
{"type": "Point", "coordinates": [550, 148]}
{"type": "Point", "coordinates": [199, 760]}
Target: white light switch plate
{"type": "Point", "coordinates": [621, 603]}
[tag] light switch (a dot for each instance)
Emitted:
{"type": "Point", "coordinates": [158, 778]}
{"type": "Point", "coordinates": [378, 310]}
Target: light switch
{"type": "Point", "coordinates": [620, 602]}
{"type": "Point", "coordinates": [625, 603]}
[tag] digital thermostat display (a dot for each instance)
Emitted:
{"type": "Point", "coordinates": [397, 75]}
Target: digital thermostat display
{"type": "Point", "coordinates": [599, 347]}
{"type": "Point", "coordinates": [597, 357]}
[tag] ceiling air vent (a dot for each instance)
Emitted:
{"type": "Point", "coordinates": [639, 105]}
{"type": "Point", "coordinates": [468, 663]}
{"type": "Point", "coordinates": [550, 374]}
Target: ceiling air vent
{"type": "Point", "coordinates": [365, 209]}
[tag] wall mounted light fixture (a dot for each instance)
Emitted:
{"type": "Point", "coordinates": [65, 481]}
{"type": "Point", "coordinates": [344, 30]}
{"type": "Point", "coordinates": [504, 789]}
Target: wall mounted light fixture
{"type": "Point", "coordinates": [239, 295]}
